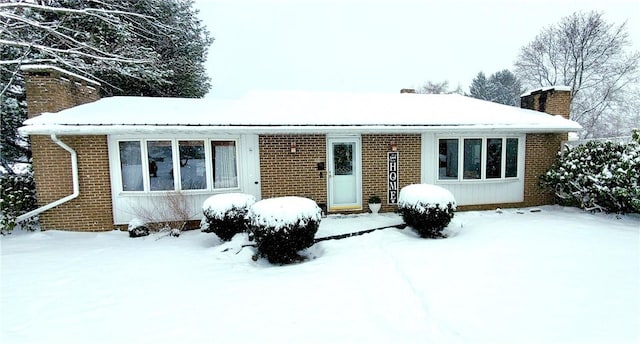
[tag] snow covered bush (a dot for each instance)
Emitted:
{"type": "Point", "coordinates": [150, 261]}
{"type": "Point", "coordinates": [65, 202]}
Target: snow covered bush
{"type": "Point", "coordinates": [17, 196]}
{"type": "Point", "coordinates": [226, 214]}
{"type": "Point", "coordinates": [601, 176]}
{"type": "Point", "coordinates": [138, 228]}
{"type": "Point", "coordinates": [283, 226]}
{"type": "Point", "coordinates": [426, 208]}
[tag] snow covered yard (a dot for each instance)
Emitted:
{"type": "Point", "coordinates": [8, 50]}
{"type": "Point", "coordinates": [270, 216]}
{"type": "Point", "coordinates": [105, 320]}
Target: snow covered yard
{"type": "Point", "coordinates": [555, 276]}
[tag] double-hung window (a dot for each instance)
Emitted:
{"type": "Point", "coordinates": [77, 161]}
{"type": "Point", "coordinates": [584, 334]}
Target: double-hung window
{"type": "Point", "coordinates": [178, 165]}
{"type": "Point", "coordinates": [477, 158]}
{"type": "Point", "coordinates": [131, 166]}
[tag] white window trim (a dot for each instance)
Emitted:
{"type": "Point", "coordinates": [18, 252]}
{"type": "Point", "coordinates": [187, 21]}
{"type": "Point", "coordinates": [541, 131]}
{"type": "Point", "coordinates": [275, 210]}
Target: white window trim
{"type": "Point", "coordinates": [118, 188]}
{"type": "Point", "coordinates": [483, 170]}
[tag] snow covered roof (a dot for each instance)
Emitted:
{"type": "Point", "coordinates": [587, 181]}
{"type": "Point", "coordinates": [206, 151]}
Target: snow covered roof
{"type": "Point", "coordinates": [299, 112]}
{"type": "Point", "coordinates": [547, 88]}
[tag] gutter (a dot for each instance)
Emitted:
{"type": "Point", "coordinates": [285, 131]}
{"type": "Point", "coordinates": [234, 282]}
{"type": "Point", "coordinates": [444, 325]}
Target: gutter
{"type": "Point", "coordinates": [76, 183]}
{"type": "Point", "coordinates": [92, 129]}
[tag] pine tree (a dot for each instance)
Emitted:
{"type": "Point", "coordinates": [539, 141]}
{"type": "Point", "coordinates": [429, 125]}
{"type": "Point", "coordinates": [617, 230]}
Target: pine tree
{"type": "Point", "coordinates": [13, 147]}
{"type": "Point", "coordinates": [504, 88]}
{"type": "Point", "coordinates": [153, 48]}
{"type": "Point", "coordinates": [479, 87]}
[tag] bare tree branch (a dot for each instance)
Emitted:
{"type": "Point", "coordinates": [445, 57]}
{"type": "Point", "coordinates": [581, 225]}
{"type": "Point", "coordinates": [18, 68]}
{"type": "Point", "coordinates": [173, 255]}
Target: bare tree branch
{"type": "Point", "coordinates": [588, 54]}
{"type": "Point", "coordinates": [88, 11]}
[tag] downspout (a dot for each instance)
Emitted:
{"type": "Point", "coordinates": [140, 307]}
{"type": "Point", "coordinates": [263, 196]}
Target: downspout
{"type": "Point", "coordinates": [76, 183]}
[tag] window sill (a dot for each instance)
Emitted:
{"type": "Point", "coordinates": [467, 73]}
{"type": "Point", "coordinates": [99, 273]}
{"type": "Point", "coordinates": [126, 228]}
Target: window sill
{"type": "Point", "coordinates": [184, 192]}
{"type": "Point", "coordinates": [477, 181]}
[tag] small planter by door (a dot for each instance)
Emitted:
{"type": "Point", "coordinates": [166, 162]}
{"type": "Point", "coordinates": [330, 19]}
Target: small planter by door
{"type": "Point", "coordinates": [374, 207]}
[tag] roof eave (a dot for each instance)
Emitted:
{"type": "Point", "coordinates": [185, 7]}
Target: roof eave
{"type": "Point", "coordinates": [279, 129]}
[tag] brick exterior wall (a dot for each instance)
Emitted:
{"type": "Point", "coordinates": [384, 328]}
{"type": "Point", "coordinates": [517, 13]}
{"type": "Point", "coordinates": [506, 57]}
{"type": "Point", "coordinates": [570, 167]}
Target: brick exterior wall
{"type": "Point", "coordinates": [541, 150]}
{"type": "Point", "coordinates": [52, 91]}
{"type": "Point", "coordinates": [293, 174]}
{"type": "Point", "coordinates": [92, 209]}
{"type": "Point", "coordinates": [374, 165]}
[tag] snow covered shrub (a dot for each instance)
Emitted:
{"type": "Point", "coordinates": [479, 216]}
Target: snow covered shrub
{"type": "Point", "coordinates": [283, 226]}
{"type": "Point", "coordinates": [137, 228]}
{"type": "Point", "coordinates": [226, 214]}
{"type": "Point", "coordinates": [601, 176]}
{"type": "Point", "coordinates": [17, 196]}
{"type": "Point", "coordinates": [426, 208]}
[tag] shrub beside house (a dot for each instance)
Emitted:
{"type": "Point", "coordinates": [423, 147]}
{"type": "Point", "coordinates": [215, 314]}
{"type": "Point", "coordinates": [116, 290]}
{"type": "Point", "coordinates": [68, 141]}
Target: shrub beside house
{"type": "Point", "coordinates": [598, 176]}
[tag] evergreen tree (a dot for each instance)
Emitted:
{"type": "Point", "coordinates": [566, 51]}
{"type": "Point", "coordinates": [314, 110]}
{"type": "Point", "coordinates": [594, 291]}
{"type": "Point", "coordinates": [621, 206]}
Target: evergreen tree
{"type": "Point", "coordinates": [479, 87]}
{"type": "Point", "coordinates": [13, 147]}
{"type": "Point", "coordinates": [182, 52]}
{"type": "Point", "coordinates": [502, 87]}
{"type": "Point", "coordinates": [505, 88]}
{"type": "Point", "coordinates": [152, 48]}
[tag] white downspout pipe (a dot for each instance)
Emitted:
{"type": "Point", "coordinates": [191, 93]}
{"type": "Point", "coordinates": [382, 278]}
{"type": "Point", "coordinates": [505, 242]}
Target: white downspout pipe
{"type": "Point", "coordinates": [76, 183]}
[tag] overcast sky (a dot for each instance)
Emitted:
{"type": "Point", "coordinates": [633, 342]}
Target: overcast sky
{"type": "Point", "coordinates": [377, 45]}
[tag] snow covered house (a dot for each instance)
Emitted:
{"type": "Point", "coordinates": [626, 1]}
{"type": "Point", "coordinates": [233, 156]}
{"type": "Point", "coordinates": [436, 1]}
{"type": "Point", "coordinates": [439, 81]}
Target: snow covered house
{"type": "Point", "coordinates": [98, 160]}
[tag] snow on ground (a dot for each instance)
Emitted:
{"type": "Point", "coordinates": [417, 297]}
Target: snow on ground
{"type": "Point", "coordinates": [555, 276]}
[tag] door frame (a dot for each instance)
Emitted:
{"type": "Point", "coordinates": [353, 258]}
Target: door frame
{"type": "Point", "coordinates": [357, 165]}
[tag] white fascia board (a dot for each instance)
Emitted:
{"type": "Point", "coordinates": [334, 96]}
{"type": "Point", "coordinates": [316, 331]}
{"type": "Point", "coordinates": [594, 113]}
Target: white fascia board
{"type": "Point", "coordinates": [301, 129]}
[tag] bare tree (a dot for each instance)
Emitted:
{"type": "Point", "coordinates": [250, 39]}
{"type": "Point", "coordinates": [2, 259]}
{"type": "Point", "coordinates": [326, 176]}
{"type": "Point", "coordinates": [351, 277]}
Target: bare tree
{"type": "Point", "coordinates": [438, 88]}
{"type": "Point", "coordinates": [588, 54]}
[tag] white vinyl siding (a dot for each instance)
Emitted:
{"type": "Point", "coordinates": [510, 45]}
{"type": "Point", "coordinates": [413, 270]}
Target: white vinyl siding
{"type": "Point", "coordinates": [478, 168]}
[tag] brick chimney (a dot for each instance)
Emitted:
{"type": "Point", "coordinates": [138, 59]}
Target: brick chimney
{"type": "Point", "coordinates": [554, 100]}
{"type": "Point", "coordinates": [52, 89]}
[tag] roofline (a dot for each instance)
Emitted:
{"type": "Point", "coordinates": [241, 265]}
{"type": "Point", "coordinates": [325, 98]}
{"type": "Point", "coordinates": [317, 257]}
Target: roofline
{"type": "Point", "coordinates": [283, 129]}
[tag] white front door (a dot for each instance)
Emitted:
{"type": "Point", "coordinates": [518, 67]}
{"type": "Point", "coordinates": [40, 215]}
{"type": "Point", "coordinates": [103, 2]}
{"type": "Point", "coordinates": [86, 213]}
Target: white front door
{"type": "Point", "coordinates": [345, 175]}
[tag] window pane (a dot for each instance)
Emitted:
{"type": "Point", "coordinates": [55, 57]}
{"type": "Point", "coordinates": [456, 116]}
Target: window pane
{"type": "Point", "coordinates": [131, 166]}
{"type": "Point", "coordinates": [160, 158]}
{"type": "Point", "coordinates": [192, 165]}
{"type": "Point", "coordinates": [511, 168]}
{"type": "Point", "coordinates": [472, 158]}
{"type": "Point", "coordinates": [225, 172]}
{"type": "Point", "coordinates": [343, 159]}
{"type": "Point", "coordinates": [494, 158]}
{"type": "Point", "coordinates": [448, 159]}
